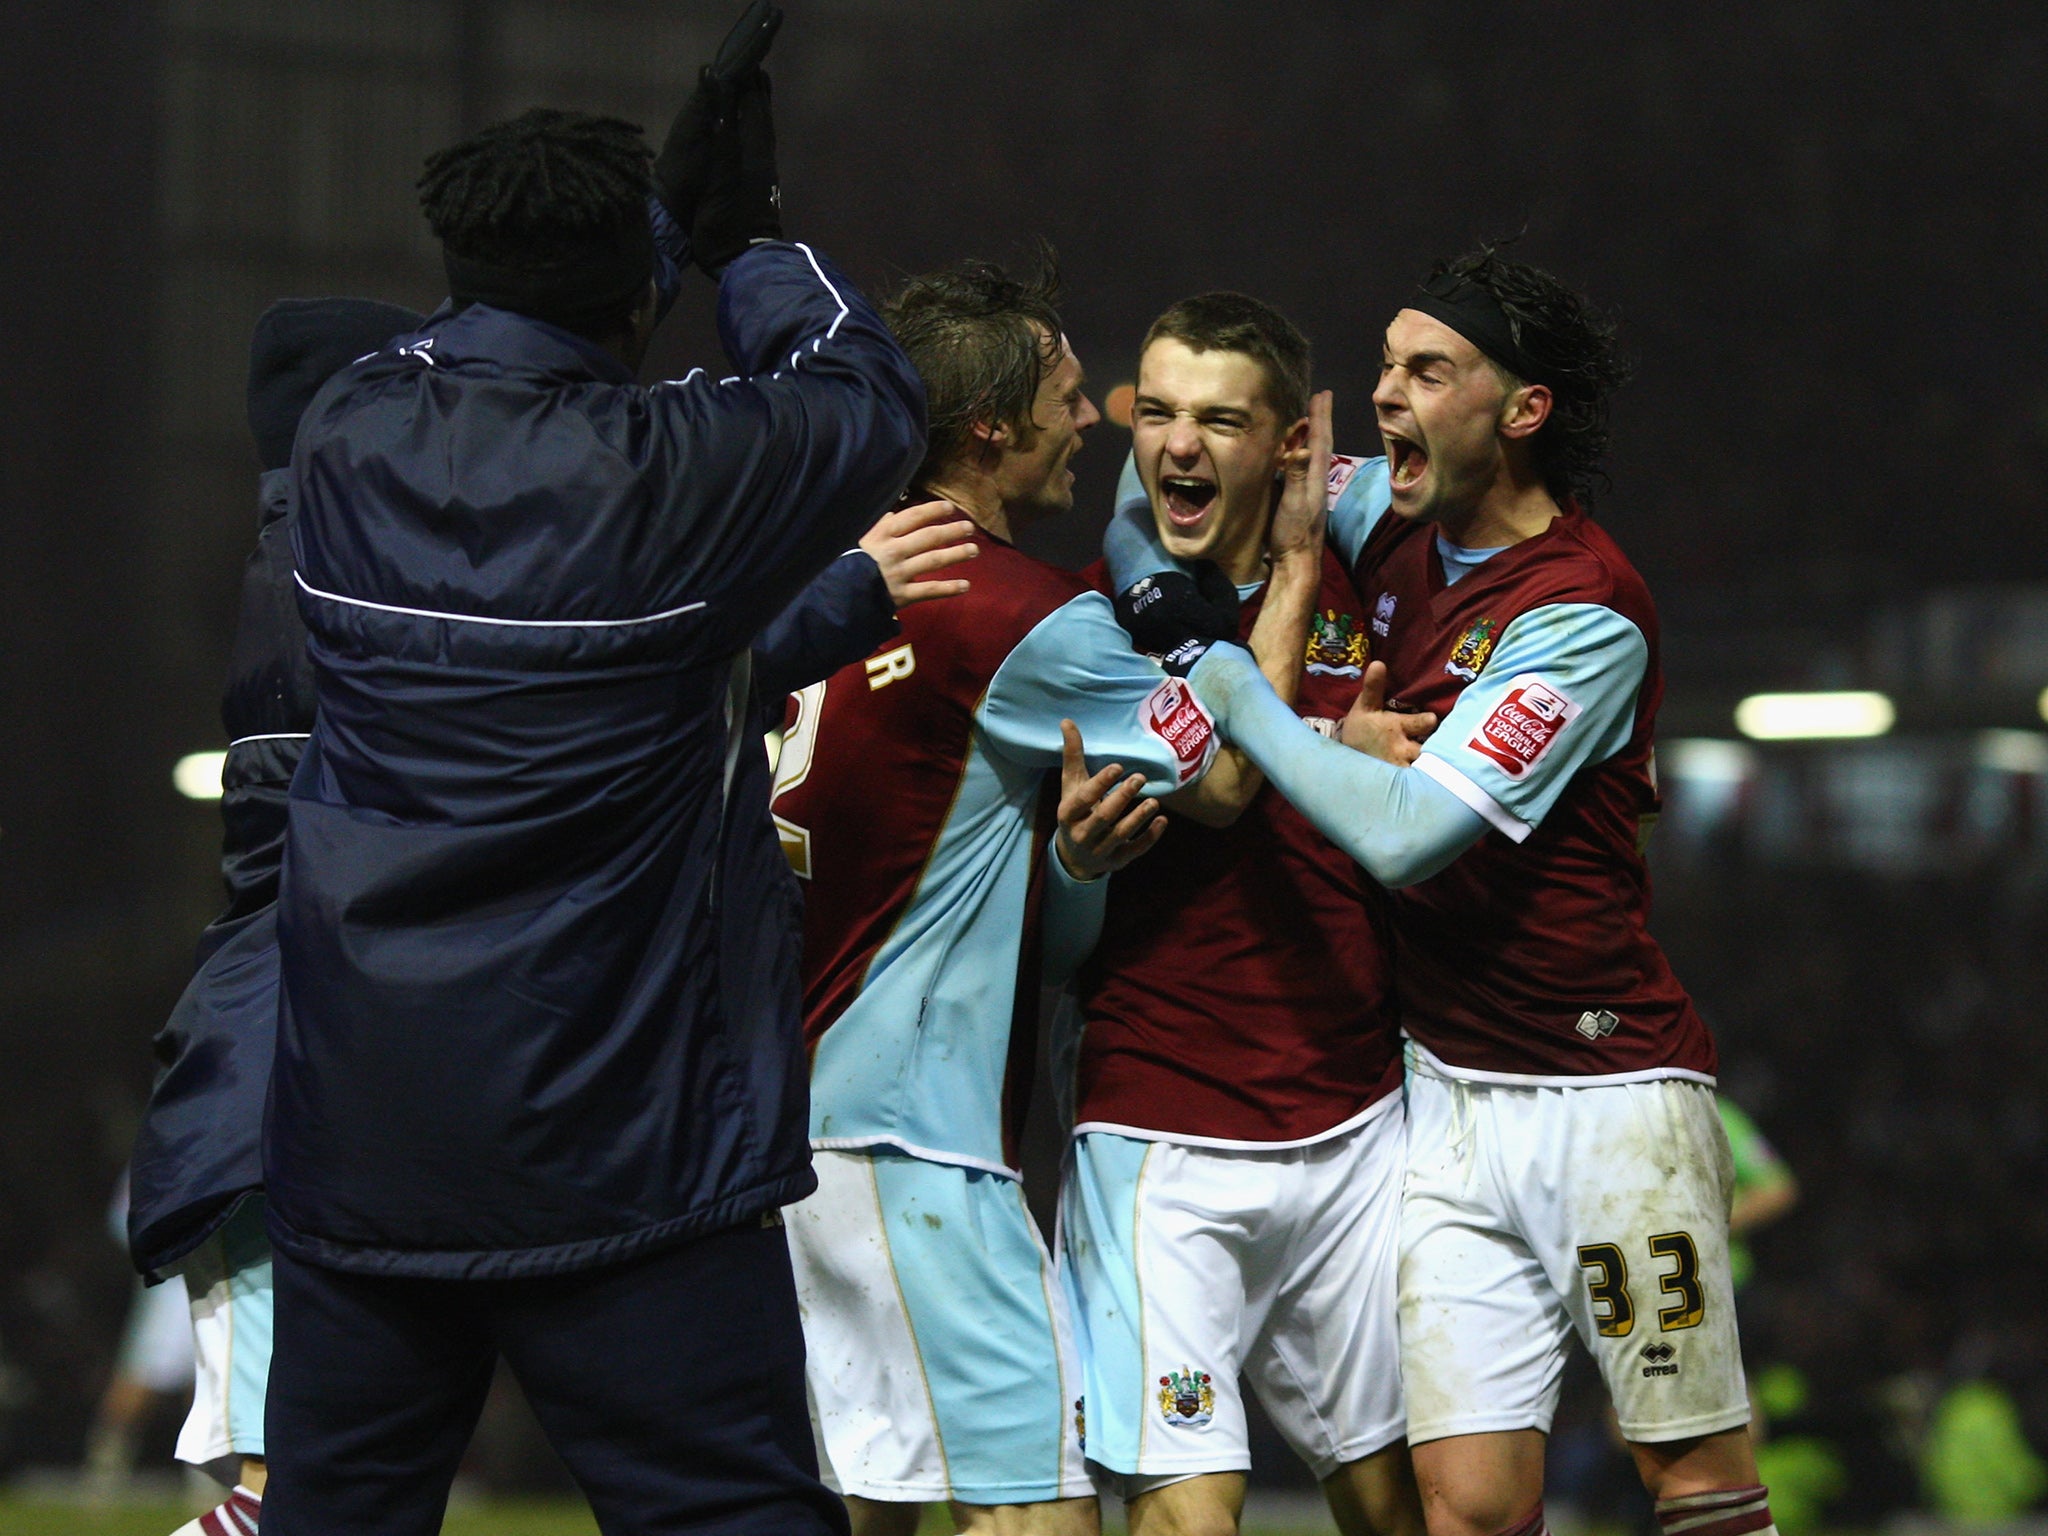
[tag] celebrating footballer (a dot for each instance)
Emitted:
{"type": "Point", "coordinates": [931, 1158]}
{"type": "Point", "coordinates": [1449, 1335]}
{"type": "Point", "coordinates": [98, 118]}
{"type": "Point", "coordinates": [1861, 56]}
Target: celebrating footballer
{"type": "Point", "coordinates": [1324, 795]}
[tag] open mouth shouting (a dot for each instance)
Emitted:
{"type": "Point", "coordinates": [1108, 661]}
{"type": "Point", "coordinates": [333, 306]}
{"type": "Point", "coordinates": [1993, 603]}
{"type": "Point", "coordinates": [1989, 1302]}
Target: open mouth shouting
{"type": "Point", "coordinates": [1187, 497]}
{"type": "Point", "coordinates": [1407, 462]}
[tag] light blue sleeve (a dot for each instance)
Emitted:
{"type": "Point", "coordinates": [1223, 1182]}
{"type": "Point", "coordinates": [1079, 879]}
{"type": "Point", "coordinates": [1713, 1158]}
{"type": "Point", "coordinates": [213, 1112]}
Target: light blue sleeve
{"type": "Point", "coordinates": [1399, 825]}
{"type": "Point", "coordinates": [1558, 692]}
{"type": "Point", "coordinates": [1073, 918]}
{"type": "Point", "coordinates": [1130, 544]}
{"type": "Point", "coordinates": [1359, 498]}
{"type": "Point", "coordinates": [1077, 664]}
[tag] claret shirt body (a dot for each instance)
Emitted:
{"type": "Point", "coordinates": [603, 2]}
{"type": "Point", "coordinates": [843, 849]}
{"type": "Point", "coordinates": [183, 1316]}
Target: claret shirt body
{"type": "Point", "coordinates": [1239, 995]}
{"type": "Point", "coordinates": [1529, 959]}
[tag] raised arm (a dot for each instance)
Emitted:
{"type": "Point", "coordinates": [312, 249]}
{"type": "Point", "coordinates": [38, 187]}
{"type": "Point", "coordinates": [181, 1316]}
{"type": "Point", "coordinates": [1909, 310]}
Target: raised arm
{"type": "Point", "coordinates": [799, 452]}
{"type": "Point", "coordinates": [1279, 635]}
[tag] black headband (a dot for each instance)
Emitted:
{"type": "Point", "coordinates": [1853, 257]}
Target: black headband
{"type": "Point", "coordinates": [590, 292]}
{"type": "Point", "coordinates": [1477, 316]}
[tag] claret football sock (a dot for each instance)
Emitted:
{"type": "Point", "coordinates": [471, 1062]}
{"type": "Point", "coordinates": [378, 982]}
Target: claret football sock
{"type": "Point", "coordinates": [237, 1515]}
{"type": "Point", "coordinates": [1718, 1512]}
{"type": "Point", "coordinates": [1530, 1524]}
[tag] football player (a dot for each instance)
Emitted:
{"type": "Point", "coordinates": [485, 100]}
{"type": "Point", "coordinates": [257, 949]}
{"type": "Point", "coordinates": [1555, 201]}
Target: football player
{"type": "Point", "coordinates": [1233, 1198]}
{"type": "Point", "coordinates": [1567, 1170]}
{"type": "Point", "coordinates": [913, 795]}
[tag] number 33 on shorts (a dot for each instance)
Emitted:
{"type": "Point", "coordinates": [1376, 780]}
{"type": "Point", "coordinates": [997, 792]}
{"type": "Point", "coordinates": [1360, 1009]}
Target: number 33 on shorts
{"type": "Point", "coordinates": [1606, 1269]}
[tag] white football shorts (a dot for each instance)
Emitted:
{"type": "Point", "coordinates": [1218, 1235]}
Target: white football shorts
{"type": "Point", "coordinates": [1191, 1266]}
{"type": "Point", "coordinates": [939, 1357]}
{"type": "Point", "coordinates": [228, 1276]}
{"type": "Point", "coordinates": [1534, 1211]}
{"type": "Point", "coordinates": [156, 1340]}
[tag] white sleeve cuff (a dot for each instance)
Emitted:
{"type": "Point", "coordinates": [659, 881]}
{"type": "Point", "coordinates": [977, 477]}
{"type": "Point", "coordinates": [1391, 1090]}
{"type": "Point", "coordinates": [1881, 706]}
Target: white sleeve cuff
{"type": "Point", "coordinates": [1476, 799]}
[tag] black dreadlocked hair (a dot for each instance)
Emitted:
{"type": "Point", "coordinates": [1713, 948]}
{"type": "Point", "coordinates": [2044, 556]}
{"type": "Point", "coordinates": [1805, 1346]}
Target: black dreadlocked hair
{"type": "Point", "coordinates": [982, 341]}
{"type": "Point", "coordinates": [1574, 342]}
{"type": "Point", "coordinates": [538, 190]}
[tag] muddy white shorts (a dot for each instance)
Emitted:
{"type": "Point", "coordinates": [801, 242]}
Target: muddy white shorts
{"type": "Point", "coordinates": [939, 1359]}
{"type": "Point", "coordinates": [1189, 1266]}
{"type": "Point", "coordinates": [1534, 1211]}
{"type": "Point", "coordinates": [229, 1278]}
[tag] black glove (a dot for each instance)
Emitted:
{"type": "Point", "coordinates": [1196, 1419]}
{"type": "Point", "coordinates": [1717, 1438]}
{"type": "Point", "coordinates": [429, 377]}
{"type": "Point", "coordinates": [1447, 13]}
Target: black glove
{"type": "Point", "coordinates": [1177, 617]}
{"type": "Point", "coordinates": [743, 203]}
{"type": "Point", "coordinates": [689, 155]}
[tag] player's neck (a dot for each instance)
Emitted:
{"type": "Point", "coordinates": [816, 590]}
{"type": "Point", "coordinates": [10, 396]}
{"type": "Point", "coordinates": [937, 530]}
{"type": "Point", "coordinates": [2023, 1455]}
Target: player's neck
{"type": "Point", "coordinates": [977, 496]}
{"type": "Point", "coordinates": [1513, 508]}
{"type": "Point", "coordinates": [1243, 559]}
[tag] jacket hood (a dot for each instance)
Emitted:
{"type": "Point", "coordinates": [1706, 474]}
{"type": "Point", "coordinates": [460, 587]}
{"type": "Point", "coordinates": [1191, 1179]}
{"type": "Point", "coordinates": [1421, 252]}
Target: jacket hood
{"type": "Point", "coordinates": [298, 346]}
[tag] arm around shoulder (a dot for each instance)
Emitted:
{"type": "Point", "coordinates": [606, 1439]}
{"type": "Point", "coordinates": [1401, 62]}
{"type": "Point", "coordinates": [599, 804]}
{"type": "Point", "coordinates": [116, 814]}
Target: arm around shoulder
{"type": "Point", "coordinates": [1401, 826]}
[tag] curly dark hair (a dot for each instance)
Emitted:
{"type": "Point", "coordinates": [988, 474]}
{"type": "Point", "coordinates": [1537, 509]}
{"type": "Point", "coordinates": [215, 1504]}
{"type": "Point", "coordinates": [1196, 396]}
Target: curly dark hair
{"type": "Point", "coordinates": [549, 193]}
{"type": "Point", "coordinates": [1573, 342]}
{"type": "Point", "coordinates": [1236, 322]}
{"type": "Point", "coordinates": [531, 188]}
{"type": "Point", "coordinates": [982, 341]}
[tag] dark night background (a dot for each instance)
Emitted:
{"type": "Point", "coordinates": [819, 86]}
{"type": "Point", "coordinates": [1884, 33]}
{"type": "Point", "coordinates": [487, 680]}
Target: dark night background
{"type": "Point", "coordinates": [1822, 226]}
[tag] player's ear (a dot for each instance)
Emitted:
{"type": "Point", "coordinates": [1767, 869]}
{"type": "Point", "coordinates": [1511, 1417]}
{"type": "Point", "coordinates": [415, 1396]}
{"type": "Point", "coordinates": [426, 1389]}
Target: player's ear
{"type": "Point", "coordinates": [1526, 408]}
{"type": "Point", "coordinates": [1292, 442]}
{"type": "Point", "coordinates": [991, 436]}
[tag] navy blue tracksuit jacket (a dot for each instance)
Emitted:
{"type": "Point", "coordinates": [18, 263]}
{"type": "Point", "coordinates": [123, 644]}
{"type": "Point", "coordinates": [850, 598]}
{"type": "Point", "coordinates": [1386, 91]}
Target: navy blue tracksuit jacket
{"type": "Point", "coordinates": [196, 1154]}
{"type": "Point", "coordinates": [539, 943]}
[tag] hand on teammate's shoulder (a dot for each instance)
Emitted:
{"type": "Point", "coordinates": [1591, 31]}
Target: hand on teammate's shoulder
{"type": "Point", "coordinates": [913, 542]}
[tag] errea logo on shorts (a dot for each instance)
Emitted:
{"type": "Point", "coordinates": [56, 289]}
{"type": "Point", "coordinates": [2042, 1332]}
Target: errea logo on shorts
{"type": "Point", "coordinates": [1598, 1023]}
{"type": "Point", "coordinates": [1524, 725]}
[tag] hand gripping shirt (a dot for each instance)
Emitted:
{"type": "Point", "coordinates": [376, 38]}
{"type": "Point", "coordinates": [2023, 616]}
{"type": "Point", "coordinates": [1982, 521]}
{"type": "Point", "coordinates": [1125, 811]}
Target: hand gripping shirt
{"type": "Point", "coordinates": [914, 796]}
{"type": "Point", "coordinates": [1529, 959]}
{"type": "Point", "coordinates": [1239, 994]}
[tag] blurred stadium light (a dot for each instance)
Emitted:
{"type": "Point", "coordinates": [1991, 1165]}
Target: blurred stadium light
{"type": "Point", "coordinates": [1814, 716]}
{"type": "Point", "coordinates": [2013, 751]}
{"type": "Point", "coordinates": [197, 775]}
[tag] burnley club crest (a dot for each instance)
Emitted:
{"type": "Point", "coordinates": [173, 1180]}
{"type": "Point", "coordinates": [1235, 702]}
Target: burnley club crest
{"type": "Point", "coordinates": [1186, 1398]}
{"type": "Point", "coordinates": [1468, 656]}
{"type": "Point", "coordinates": [1336, 645]}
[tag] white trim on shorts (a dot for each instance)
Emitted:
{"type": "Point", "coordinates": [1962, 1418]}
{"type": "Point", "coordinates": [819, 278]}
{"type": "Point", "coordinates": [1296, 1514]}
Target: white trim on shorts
{"type": "Point", "coordinates": [1221, 1144]}
{"type": "Point", "coordinates": [1426, 1061]}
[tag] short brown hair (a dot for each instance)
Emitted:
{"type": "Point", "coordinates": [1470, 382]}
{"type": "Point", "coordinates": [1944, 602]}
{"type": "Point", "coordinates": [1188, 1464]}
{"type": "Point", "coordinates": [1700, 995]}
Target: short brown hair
{"type": "Point", "coordinates": [1236, 322]}
{"type": "Point", "coordinates": [982, 341]}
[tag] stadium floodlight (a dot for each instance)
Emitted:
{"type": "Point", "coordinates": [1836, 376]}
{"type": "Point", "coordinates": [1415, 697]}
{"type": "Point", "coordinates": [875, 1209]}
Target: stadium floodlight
{"type": "Point", "coordinates": [1814, 716]}
{"type": "Point", "coordinates": [1705, 760]}
{"type": "Point", "coordinates": [2013, 751]}
{"type": "Point", "coordinates": [197, 775]}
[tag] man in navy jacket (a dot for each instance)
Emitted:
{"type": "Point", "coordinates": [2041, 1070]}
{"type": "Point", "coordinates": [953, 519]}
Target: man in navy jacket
{"type": "Point", "coordinates": [539, 1086]}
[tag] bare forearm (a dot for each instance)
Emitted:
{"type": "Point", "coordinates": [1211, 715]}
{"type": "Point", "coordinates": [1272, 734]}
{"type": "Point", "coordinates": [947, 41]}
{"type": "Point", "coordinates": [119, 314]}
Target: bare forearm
{"type": "Point", "coordinates": [1280, 636]}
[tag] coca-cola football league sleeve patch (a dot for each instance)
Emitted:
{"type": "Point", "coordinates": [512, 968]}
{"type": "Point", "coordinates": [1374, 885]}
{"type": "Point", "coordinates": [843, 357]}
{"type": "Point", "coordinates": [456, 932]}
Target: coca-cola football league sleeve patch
{"type": "Point", "coordinates": [1556, 693]}
{"type": "Point", "coordinates": [1176, 717]}
{"type": "Point", "coordinates": [1077, 664]}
